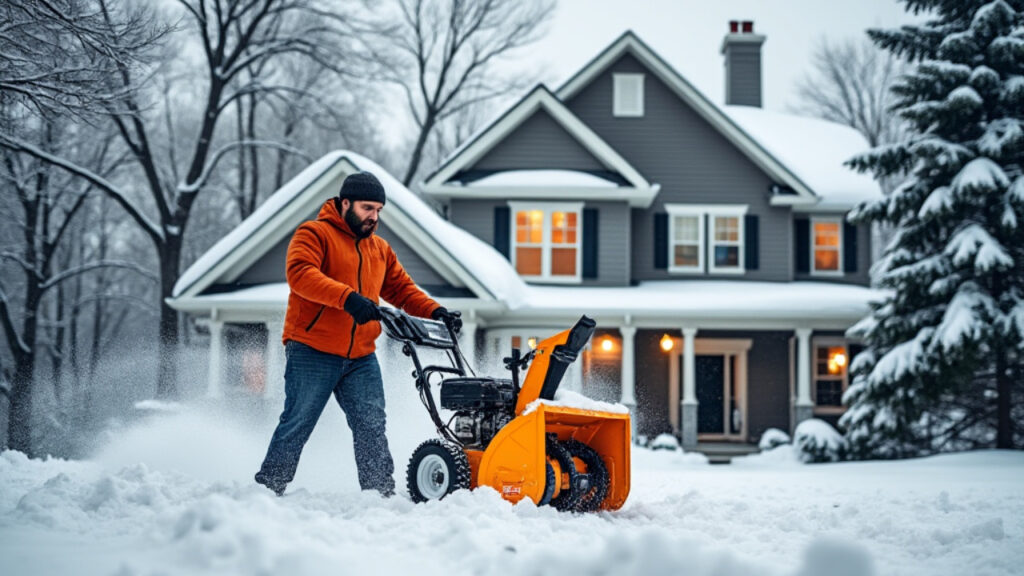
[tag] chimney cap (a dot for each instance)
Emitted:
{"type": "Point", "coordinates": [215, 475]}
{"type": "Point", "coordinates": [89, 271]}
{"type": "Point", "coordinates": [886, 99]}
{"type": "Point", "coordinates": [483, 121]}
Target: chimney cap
{"type": "Point", "coordinates": [741, 32]}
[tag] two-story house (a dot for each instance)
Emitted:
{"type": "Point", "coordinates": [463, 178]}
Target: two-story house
{"type": "Point", "coordinates": [709, 242]}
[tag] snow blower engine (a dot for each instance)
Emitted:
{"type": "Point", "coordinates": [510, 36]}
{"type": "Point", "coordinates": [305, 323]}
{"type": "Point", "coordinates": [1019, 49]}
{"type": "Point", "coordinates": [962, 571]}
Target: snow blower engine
{"type": "Point", "coordinates": [499, 435]}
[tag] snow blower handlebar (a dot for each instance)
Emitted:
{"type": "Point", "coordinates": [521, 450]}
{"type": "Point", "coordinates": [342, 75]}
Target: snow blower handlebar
{"type": "Point", "coordinates": [412, 332]}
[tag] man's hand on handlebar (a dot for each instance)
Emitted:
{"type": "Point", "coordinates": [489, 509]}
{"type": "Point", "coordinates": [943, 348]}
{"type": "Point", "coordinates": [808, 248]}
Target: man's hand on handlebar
{"type": "Point", "coordinates": [451, 319]}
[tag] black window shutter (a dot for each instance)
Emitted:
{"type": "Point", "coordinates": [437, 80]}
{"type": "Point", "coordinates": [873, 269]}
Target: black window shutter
{"type": "Point", "coordinates": [802, 245]}
{"type": "Point", "coordinates": [590, 242]}
{"type": "Point", "coordinates": [502, 237]}
{"type": "Point", "coordinates": [849, 247]}
{"type": "Point", "coordinates": [661, 241]}
{"type": "Point", "coordinates": [752, 250]}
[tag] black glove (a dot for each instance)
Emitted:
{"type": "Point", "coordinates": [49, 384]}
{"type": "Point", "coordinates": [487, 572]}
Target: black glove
{"type": "Point", "coordinates": [453, 320]}
{"type": "Point", "coordinates": [361, 308]}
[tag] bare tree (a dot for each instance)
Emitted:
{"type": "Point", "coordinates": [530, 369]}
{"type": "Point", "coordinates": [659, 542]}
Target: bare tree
{"type": "Point", "coordinates": [49, 201]}
{"type": "Point", "coordinates": [234, 36]}
{"type": "Point", "coordinates": [57, 56]}
{"type": "Point", "coordinates": [850, 83]}
{"type": "Point", "coordinates": [443, 56]}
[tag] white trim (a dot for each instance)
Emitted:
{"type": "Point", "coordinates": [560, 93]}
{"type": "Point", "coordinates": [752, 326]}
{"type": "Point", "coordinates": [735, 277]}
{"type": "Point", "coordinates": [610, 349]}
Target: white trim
{"type": "Point", "coordinates": [635, 197]}
{"type": "Point", "coordinates": [737, 348]}
{"type": "Point", "coordinates": [672, 267]}
{"type": "Point", "coordinates": [705, 214]}
{"type": "Point", "coordinates": [839, 248]}
{"type": "Point", "coordinates": [539, 98]}
{"type": "Point", "coordinates": [629, 42]}
{"type": "Point", "coordinates": [546, 245]}
{"type": "Point", "coordinates": [803, 367]}
{"type": "Point", "coordinates": [740, 267]}
{"type": "Point", "coordinates": [828, 341]}
{"type": "Point", "coordinates": [626, 87]}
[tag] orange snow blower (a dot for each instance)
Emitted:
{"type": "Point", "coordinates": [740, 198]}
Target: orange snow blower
{"type": "Point", "coordinates": [504, 435]}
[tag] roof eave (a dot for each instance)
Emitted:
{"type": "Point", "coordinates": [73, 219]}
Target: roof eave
{"type": "Point", "coordinates": [635, 197]}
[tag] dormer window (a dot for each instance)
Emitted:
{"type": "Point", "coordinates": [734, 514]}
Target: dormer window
{"type": "Point", "coordinates": [628, 100]}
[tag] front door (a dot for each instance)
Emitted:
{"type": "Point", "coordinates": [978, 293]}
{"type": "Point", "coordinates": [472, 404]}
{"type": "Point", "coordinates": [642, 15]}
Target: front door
{"type": "Point", "coordinates": [710, 376]}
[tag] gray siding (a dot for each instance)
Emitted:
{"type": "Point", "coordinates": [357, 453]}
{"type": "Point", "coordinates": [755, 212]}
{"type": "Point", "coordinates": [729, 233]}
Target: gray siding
{"type": "Point", "coordinates": [652, 382]}
{"type": "Point", "coordinates": [271, 266]}
{"type": "Point", "coordinates": [673, 146]}
{"type": "Point", "coordinates": [614, 237]}
{"type": "Point", "coordinates": [743, 74]}
{"type": "Point", "coordinates": [539, 143]}
{"type": "Point", "coordinates": [269, 269]}
{"type": "Point", "coordinates": [414, 265]}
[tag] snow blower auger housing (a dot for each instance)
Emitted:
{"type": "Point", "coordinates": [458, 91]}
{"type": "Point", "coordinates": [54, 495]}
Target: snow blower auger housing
{"type": "Point", "coordinates": [500, 436]}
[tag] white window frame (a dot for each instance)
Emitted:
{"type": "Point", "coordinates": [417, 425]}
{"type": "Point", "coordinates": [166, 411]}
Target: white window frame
{"type": "Point", "coordinates": [738, 213]}
{"type": "Point", "coordinates": [546, 245]}
{"type": "Point", "coordinates": [828, 342]}
{"type": "Point", "coordinates": [705, 214]}
{"type": "Point", "coordinates": [675, 211]}
{"type": "Point", "coordinates": [624, 84]}
{"type": "Point", "coordinates": [839, 248]}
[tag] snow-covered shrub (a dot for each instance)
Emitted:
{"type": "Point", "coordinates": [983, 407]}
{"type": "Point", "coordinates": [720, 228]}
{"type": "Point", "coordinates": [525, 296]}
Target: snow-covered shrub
{"type": "Point", "coordinates": [772, 438]}
{"type": "Point", "coordinates": [817, 441]}
{"type": "Point", "coordinates": [664, 442]}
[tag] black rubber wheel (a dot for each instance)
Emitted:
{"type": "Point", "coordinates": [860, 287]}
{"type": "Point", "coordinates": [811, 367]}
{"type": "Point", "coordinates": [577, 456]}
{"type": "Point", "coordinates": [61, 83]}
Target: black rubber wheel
{"type": "Point", "coordinates": [549, 485]}
{"type": "Point", "coordinates": [436, 469]}
{"type": "Point", "coordinates": [567, 497]}
{"type": "Point", "coordinates": [590, 499]}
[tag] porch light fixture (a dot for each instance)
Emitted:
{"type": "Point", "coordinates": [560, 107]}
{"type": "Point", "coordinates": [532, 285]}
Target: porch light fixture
{"type": "Point", "coordinates": [666, 343]}
{"type": "Point", "coordinates": [607, 344]}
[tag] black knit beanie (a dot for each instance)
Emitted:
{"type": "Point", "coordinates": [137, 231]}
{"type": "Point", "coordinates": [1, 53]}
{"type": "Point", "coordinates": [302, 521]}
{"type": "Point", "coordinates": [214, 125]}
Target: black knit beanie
{"type": "Point", "coordinates": [362, 186]}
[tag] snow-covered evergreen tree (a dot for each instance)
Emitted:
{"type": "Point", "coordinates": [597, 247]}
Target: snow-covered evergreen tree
{"type": "Point", "coordinates": [953, 275]}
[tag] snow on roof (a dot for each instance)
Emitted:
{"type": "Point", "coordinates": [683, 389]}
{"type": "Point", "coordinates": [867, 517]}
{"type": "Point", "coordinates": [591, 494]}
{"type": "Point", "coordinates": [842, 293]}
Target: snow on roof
{"type": "Point", "coordinates": [700, 299]}
{"type": "Point", "coordinates": [271, 206]}
{"type": "Point", "coordinates": [814, 150]}
{"type": "Point", "coordinates": [477, 258]}
{"type": "Point", "coordinates": [562, 178]}
{"type": "Point", "coordinates": [710, 299]}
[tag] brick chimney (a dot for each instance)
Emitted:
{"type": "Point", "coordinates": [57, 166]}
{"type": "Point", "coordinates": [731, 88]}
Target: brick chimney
{"type": "Point", "coordinates": [742, 50]}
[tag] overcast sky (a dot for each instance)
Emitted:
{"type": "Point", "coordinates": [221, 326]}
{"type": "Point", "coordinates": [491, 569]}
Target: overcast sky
{"type": "Point", "coordinates": [688, 34]}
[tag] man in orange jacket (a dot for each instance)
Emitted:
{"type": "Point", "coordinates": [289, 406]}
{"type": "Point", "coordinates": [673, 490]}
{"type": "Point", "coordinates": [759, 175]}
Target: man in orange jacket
{"type": "Point", "coordinates": [338, 270]}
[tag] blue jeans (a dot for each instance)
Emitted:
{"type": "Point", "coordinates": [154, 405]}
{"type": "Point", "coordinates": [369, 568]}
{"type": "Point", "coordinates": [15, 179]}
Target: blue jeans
{"type": "Point", "coordinates": [310, 377]}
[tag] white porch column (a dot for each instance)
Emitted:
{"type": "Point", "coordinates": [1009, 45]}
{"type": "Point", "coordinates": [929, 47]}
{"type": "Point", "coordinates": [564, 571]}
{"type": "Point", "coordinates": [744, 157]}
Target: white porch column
{"type": "Point", "coordinates": [689, 403]}
{"type": "Point", "coordinates": [467, 343]}
{"type": "Point", "coordinates": [804, 407]}
{"type": "Point", "coordinates": [628, 396]}
{"type": "Point", "coordinates": [215, 374]}
{"type": "Point", "coordinates": [274, 387]}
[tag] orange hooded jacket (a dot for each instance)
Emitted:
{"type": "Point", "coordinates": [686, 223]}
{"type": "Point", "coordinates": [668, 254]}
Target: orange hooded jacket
{"type": "Point", "coordinates": [326, 263]}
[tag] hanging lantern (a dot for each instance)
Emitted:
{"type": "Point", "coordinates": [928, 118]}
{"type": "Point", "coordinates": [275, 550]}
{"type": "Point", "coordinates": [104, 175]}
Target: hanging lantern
{"type": "Point", "coordinates": [606, 344]}
{"type": "Point", "coordinates": [667, 343]}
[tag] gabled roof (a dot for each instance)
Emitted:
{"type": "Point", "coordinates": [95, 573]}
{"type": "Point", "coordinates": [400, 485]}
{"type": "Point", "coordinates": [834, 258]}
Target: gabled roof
{"type": "Point", "coordinates": [630, 43]}
{"type": "Point", "coordinates": [459, 257]}
{"type": "Point", "coordinates": [640, 192]}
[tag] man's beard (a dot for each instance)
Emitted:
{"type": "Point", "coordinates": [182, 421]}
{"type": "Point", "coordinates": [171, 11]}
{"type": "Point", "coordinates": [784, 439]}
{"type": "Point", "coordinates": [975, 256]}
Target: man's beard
{"type": "Point", "coordinates": [359, 227]}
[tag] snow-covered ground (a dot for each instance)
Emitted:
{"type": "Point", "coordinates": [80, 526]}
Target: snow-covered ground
{"type": "Point", "coordinates": [174, 496]}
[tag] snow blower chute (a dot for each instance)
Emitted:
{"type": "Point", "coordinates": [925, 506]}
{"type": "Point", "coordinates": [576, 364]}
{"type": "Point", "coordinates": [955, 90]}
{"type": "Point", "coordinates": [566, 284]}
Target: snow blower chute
{"type": "Point", "coordinates": [571, 458]}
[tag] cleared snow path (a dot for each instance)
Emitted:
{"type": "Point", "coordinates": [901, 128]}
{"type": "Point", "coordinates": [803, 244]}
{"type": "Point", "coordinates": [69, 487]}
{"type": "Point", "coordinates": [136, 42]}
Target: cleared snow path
{"type": "Point", "coordinates": [173, 497]}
